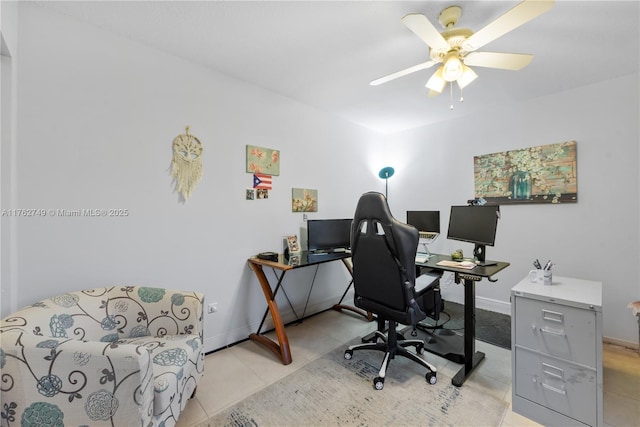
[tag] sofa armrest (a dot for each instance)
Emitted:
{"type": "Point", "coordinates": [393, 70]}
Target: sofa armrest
{"type": "Point", "coordinates": [172, 312]}
{"type": "Point", "coordinates": [81, 382]}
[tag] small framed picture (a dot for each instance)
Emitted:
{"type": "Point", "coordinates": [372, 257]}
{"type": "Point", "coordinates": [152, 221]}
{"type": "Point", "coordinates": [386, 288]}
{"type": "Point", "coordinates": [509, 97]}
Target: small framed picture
{"type": "Point", "coordinates": [294, 260]}
{"type": "Point", "coordinates": [293, 245]}
{"type": "Point", "coordinates": [250, 194]}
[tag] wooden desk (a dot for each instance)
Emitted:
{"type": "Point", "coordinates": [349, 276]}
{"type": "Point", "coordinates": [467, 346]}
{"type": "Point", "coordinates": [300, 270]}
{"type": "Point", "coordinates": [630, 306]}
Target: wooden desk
{"type": "Point", "coordinates": [470, 357]}
{"type": "Point", "coordinates": [304, 259]}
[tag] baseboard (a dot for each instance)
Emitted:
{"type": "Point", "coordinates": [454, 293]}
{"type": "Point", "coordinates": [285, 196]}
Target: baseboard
{"type": "Point", "coordinates": [493, 305]}
{"type": "Point", "coordinates": [240, 334]}
{"type": "Point", "coordinates": [234, 336]}
{"type": "Point", "coordinates": [622, 343]}
{"type": "Point", "coordinates": [488, 304]}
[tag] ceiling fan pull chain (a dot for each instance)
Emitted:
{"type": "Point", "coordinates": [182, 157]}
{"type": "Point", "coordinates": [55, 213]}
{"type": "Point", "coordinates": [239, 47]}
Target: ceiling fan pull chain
{"type": "Point", "coordinates": [461, 95]}
{"type": "Point", "coordinates": [451, 95]}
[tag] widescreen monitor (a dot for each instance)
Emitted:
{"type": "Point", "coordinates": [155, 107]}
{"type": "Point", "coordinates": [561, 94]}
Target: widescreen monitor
{"type": "Point", "coordinates": [474, 224]}
{"type": "Point", "coordinates": [328, 235]}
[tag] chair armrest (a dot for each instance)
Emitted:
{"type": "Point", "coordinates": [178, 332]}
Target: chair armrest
{"type": "Point", "coordinates": [170, 311]}
{"type": "Point", "coordinates": [426, 281]}
{"type": "Point", "coordinates": [85, 382]}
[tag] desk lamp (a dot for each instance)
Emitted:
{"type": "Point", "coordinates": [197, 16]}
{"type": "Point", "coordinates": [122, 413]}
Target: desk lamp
{"type": "Point", "coordinates": [386, 173]}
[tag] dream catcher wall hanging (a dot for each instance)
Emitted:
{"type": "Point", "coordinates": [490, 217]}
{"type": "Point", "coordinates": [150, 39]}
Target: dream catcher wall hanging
{"type": "Point", "coordinates": [186, 165]}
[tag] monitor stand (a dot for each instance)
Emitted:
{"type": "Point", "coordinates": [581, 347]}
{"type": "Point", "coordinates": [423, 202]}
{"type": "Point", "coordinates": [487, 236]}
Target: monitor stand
{"type": "Point", "coordinates": [423, 249]}
{"type": "Point", "coordinates": [479, 252]}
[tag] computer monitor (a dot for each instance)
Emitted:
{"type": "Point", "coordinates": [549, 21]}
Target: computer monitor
{"type": "Point", "coordinates": [328, 235]}
{"type": "Point", "coordinates": [428, 225]}
{"type": "Point", "coordinates": [475, 224]}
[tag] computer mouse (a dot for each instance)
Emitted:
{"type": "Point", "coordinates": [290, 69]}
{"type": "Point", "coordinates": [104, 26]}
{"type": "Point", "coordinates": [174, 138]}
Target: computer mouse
{"type": "Point", "coordinates": [468, 264]}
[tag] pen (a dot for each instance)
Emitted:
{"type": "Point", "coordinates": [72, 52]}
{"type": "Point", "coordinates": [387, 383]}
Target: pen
{"type": "Point", "coordinates": [547, 265]}
{"type": "Point", "coordinates": [536, 264]}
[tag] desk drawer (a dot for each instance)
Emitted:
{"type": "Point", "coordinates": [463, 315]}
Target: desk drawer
{"type": "Point", "coordinates": [558, 385]}
{"type": "Point", "coordinates": [555, 329]}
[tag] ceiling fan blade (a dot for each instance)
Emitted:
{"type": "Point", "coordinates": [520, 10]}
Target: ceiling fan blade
{"type": "Point", "coordinates": [503, 61]}
{"type": "Point", "coordinates": [424, 29]}
{"type": "Point", "coordinates": [512, 19]}
{"type": "Point", "coordinates": [433, 93]}
{"type": "Point", "coordinates": [402, 73]}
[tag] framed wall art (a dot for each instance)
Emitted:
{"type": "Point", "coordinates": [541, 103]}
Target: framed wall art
{"type": "Point", "coordinates": [304, 200]}
{"type": "Point", "coordinates": [542, 174]}
{"type": "Point", "coordinates": [263, 160]}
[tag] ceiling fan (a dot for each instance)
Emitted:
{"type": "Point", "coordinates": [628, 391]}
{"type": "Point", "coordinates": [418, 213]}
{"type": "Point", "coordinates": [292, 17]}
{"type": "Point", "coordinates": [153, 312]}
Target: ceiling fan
{"type": "Point", "coordinates": [456, 48]}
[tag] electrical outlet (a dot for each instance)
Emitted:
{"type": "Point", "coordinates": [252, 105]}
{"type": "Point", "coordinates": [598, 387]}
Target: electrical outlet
{"type": "Point", "coordinates": [213, 307]}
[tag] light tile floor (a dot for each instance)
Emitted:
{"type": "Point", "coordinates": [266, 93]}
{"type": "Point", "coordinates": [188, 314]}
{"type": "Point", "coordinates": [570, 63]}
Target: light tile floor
{"type": "Point", "coordinates": [235, 373]}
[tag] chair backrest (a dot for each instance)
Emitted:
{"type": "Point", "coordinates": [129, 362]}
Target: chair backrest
{"type": "Point", "coordinates": [383, 251]}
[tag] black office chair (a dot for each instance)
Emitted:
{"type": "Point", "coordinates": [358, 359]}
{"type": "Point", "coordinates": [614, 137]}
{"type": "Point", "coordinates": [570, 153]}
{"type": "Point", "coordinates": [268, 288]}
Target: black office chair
{"type": "Point", "coordinates": [383, 252]}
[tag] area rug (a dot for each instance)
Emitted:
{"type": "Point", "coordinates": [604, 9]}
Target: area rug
{"type": "Point", "coordinates": [491, 327]}
{"type": "Point", "coordinates": [332, 391]}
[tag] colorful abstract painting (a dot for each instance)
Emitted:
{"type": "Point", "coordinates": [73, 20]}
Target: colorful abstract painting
{"type": "Point", "coordinates": [304, 200]}
{"type": "Point", "coordinates": [542, 174]}
{"type": "Point", "coordinates": [263, 160]}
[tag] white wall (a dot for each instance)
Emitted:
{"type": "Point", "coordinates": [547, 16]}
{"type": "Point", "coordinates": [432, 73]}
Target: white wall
{"type": "Point", "coordinates": [97, 115]}
{"type": "Point", "coordinates": [596, 238]}
{"type": "Point", "coordinates": [8, 138]}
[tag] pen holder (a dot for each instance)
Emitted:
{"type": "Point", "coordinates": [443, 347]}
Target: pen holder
{"type": "Point", "coordinates": [540, 276]}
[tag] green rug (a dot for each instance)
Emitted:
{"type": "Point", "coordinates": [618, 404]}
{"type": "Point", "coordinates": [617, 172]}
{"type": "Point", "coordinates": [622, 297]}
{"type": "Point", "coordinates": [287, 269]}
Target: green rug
{"type": "Point", "coordinates": [332, 391]}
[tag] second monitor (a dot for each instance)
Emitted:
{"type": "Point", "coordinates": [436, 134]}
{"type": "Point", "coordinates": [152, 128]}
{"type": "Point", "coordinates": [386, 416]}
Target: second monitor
{"type": "Point", "coordinates": [428, 225]}
{"type": "Point", "coordinates": [328, 235]}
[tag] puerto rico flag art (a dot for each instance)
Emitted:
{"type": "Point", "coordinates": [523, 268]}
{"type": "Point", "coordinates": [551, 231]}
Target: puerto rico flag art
{"type": "Point", "coordinates": [261, 181]}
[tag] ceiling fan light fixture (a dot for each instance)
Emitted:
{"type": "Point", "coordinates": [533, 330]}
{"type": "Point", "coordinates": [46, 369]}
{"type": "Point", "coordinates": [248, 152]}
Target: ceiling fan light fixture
{"type": "Point", "coordinates": [452, 66]}
{"type": "Point", "coordinates": [468, 75]}
{"type": "Point", "coordinates": [437, 82]}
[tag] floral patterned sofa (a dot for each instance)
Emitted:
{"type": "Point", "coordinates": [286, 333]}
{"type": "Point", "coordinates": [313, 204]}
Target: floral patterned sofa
{"type": "Point", "coordinates": [118, 356]}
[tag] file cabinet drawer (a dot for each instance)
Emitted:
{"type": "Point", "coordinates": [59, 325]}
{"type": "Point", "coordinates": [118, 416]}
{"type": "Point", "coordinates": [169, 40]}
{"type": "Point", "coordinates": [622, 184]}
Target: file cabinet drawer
{"type": "Point", "coordinates": [559, 330]}
{"type": "Point", "coordinates": [562, 386]}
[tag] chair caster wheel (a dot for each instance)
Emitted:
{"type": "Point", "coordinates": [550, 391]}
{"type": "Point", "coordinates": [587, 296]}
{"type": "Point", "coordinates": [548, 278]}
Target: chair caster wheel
{"type": "Point", "coordinates": [378, 383]}
{"type": "Point", "coordinates": [348, 355]}
{"type": "Point", "coordinates": [431, 378]}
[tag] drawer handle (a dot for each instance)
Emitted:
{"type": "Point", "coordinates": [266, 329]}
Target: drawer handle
{"type": "Point", "coordinates": [552, 316]}
{"type": "Point", "coordinates": [549, 331]}
{"type": "Point", "coordinates": [556, 390]}
{"type": "Point", "coordinates": [553, 371]}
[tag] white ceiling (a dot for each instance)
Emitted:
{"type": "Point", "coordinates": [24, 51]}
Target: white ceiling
{"type": "Point", "coordinates": [325, 53]}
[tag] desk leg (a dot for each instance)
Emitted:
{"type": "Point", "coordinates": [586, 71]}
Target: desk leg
{"type": "Point", "coordinates": [471, 356]}
{"type": "Point", "coordinates": [282, 349]}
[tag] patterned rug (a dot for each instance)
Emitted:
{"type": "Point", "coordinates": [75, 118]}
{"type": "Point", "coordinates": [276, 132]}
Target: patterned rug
{"type": "Point", "coordinates": [332, 391]}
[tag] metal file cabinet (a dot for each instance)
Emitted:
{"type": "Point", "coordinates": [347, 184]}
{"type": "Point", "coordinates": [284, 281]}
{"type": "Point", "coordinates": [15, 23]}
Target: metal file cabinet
{"type": "Point", "coordinates": [556, 351]}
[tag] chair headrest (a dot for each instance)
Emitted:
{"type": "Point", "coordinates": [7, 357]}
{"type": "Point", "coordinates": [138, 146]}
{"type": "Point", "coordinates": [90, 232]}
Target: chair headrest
{"type": "Point", "coordinates": [373, 205]}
